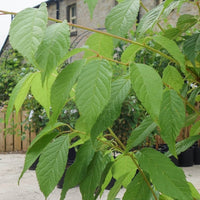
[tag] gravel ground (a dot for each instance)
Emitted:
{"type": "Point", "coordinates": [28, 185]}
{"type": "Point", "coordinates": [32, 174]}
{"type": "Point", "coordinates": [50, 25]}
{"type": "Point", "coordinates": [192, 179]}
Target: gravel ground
{"type": "Point", "coordinates": [11, 166]}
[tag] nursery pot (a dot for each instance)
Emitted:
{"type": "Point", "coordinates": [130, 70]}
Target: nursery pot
{"type": "Point", "coordinates": [111, 184]}
{"type": "Point", "coordinates": [186, 158]}
{"type": "Point", "coordinates": [70, 161]}
{"type": "Point", "coordinates": [61, 181]}
{"type": "Point", "coordinates": [197, 155]}
{"type": "Point", "coordinates": [174, 160]}
{"type": "Point", "coordinates": [34, 165]}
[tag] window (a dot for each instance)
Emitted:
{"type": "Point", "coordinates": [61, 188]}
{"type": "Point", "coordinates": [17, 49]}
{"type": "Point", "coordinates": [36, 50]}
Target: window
{"type": "Point", "coordinates": [71, 17]}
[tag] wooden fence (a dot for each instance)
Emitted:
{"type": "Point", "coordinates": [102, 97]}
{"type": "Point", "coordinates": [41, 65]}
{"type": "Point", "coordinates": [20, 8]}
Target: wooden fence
{"type": "Point", "coordinates": [17, 136]}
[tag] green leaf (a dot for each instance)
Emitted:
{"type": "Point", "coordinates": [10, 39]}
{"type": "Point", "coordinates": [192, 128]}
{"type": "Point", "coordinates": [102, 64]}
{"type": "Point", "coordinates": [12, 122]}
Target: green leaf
{"type": "Point", "coordinates": [27, 30]}
{"type": "Point", "coordinates": [122, 17]}
{"type": "Point", "coordinates": [19, 94]}
{"type": "Point", "coordinates": [148, 87]}
{"type": "Point", "coordinates": [167, 178]}
{"type": "Point", "coordinates": [191, 47]}
{"type": "Point", "coordinates": [140, 133]}
{"type": "Point", "coordinates": [53, 48]}
{"type": "Point", "coordinates": [184, 144]}
{"type": "Point", "coordinates": [38, 144]}
{"type": "Point", "coordinates": [129, 54]}
{"type": "Point", "coordinates": [172, 48]}
{"type": "Point", "coordinates": [119, 91]}
{"type": "Point", "coordinates": [169, 7]}
{"type": "Point", "coordinates": [150, 19]}
{"type": "Point", "coordinates": [63, 85]}
{"type": "Point", "coordinates": [73, 52]}
{"type": "Point", "coordinates": [190, 119]}
{"type": "Point", "coordinates": [52, 164]}
{"type": "Point", "coordinates": [77, 172]}
{"type": "Point", "coordinates": [172, 118]}
{"type": "Point", "coordinates": [172, 33]}
{"type": "Point", "coordinates": [101, 44]}
{"type": "Point", "coordinates": [172, 78]}
{"type": "Point", "coordinates": [105, 179]}
{"type": "Point", "coordinates": [42, 92]}
{"type": "Point", "coordinates": [164, 197]}
{"type": "Point", "coordinates": [138, 189]}
{"type": "Point", "coordinates": [129, 169]}
{"type": "Point", "coordinates": [93, 92]}
{"type": "Point", "coordinates": [91, 5]}
{"type": "Point", "coordinates": [93, 176]}
{"type": "Point", "coordinates": [195, 193]}
{"type": "Point", "coordinates": [116, 188]}
{"type": "Point", "coordinates": [193, 95]}
{"type": "Point", "coordinates": [195, 129]}
{"type": "Point", "coordinates": [186, 21]}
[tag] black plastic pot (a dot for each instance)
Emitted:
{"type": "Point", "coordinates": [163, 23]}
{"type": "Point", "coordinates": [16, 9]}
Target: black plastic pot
{"type": "Point", "coordinates": [111, 184]}
{"type": "Point", "coordinates": [197, 155]}
{"type": "Point", "coordinates": [70, 161]}
{"type": "Point", "coordinates": [34, 165]}
{"type": "Point", "coordinates": [186, 158]}
{"type": "Point", "coordinates": [174, 160]}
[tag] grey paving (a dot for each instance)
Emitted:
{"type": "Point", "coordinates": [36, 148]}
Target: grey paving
{"type": "Point", "coordinates": [11, 166]}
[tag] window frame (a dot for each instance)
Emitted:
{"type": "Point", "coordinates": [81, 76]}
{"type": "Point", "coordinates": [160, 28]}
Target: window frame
{"type": "Point", "coordinates": [73, 30]}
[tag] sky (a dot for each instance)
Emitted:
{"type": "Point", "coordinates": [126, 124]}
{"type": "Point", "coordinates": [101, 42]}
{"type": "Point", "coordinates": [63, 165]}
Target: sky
{"type": "Point", "coordinates": [13, 6]}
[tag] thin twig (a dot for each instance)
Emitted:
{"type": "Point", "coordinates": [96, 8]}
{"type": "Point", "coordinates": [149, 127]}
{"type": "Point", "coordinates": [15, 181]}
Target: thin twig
{"type": "Point", "coordinates": [117, 139]}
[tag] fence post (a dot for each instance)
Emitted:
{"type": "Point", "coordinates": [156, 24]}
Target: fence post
{"type": "Point", "coordinates": [26, 141]}
{"type": "Point", "coordinates": [17, 136]}
{"type": "Point", "coordinates": [10, 135]}
{"type": "Point", "coordinates": [2, 136]}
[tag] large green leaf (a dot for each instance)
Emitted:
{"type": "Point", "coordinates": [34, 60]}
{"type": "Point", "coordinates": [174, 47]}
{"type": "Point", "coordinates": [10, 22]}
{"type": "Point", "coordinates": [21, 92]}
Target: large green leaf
{"type": "Point", "coordinates": [150, 19]}
{"type": "Point", "coordinates": [122, 17]}
{"type": "Point", "coordinates": [138, 189]}
{"type": "Point", "coordinates": [169, 5]}
{"type": "Point", "coordinates": [101, 44]}
{"type": "Point", "coordinates": [167, 178]}
{"type": "Point", "coordinates": [42, 92]}
{"type": "Point", "coordinates": [119, 91]}
{"type": "Point", "coordinates": [140, 133]}
{"type": "Point", "coordinates": [186, 21]}
{"type": "Point", "coordinates": [77, 172]}
{"type": "Point", "coordinates": [63, 85]}
{"type": "Point", "coordinates": [148, 87]}
{"type": "Point", "coordinates": [195, 130]}
{"type": "Point", "coordinates": [194, 191]}
{"type": "Point", "coordinates": [91, 5]}
{"type": "Point", "coordinates": [38, 144]}
{"type": "Point", "coordinates": [19, 94]}
{"type": "Point", "coordinates": [172, 78]}
{"type": "Point", "coordinates": [129, 169]}
{"type": "Point", "coordinates": [191, 47]}
{"type": "Point", "coordinates": [93, 92]}
{"type": "Point", "coordinates": [172, 33]}
{"type": "Point", "coordinates": [129, 54]}
{"type": "Point", "coordinates": [52, 164]}
{"type": "Point", "coordinates": [172, 48]}
{"type": "Point", "coordinates": [27, 30]}
{"type": "Point", "coordinates": [93, 175]}
{"type": "Point", "coordinates": [172, 118]}
{"type": "Point", "coordinates": [53, 48]}
{"type": "Point", "coordinates": [105, 179]}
